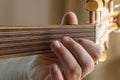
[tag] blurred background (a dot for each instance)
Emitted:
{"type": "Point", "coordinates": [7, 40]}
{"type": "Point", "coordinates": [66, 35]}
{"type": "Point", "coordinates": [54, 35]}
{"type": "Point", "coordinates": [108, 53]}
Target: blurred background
{"type": "Point", "coordinates": [45, 12]}
{"type": "Point", "coordinates": [42, 12]}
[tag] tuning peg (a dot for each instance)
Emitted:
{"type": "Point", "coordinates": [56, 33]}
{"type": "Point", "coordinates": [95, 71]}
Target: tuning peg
{"type": "Point", "coordinates": [94, 5]}
{"type": "Point", "coordinates": [118, 20]}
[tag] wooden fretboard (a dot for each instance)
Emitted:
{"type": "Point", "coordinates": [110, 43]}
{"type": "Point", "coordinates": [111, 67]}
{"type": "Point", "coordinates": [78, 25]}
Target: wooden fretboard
{"type": "Point", "coordinates": [18, 41]}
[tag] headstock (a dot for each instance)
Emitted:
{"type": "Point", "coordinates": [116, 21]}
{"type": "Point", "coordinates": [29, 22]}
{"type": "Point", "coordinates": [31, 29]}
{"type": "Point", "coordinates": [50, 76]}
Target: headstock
{"type": "Point", "coordinates": [102, 14]}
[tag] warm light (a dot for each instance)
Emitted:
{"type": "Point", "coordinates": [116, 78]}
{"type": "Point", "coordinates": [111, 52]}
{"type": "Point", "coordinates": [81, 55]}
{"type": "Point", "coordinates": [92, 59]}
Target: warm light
{"type": "Point", "coordinates": [104, 56]}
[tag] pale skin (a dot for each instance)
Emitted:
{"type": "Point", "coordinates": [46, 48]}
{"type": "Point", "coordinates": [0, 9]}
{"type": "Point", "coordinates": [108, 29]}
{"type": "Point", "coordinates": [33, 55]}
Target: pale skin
{"type": "Point", "coordinates": [77, 57]}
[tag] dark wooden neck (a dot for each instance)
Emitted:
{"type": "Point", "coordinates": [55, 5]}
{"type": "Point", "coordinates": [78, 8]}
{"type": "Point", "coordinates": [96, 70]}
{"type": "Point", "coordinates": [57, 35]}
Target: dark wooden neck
{"type": "Point", "coordinates": [30, 40]}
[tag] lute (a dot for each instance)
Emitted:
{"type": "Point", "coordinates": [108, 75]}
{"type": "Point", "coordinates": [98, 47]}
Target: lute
{"type": "Point", "coordinates": [16, 41]}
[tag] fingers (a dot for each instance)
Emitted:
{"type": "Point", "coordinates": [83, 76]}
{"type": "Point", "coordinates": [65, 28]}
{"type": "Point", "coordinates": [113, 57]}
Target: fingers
{"type": "Point", "coordinates": [82, 56]}
{"type": "Point", "coordinates": [77, 59]}
{"type": "Point", "coordinates": [93, 49]}
{"type": "Point", "coordinates": [72, 70]}
{"type": "Point", "coordinates": [69, 19]}
{"type": "Point", "coordinates": [55, 72]}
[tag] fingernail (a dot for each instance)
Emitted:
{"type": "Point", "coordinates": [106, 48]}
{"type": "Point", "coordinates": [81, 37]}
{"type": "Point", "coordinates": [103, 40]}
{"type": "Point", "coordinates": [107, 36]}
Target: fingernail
{"type": "Point", "coordinates": [66, 39]}
{"type": "Point", "coordinates": [55, 68]}
{"type": "Point", "coordinates": [56, 44]}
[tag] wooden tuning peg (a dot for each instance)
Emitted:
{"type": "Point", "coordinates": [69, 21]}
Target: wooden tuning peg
{"type": "Point", "coordinates": [118, 20]}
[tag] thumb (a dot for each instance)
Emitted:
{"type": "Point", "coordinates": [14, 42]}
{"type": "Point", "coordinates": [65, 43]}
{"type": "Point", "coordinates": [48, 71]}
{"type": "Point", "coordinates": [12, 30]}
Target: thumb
{"type": "Point", "coordinates": [69, 18]}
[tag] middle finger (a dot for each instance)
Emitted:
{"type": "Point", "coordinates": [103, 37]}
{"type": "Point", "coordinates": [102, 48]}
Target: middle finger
{"type": "Point", "coordinates": [71, 68]}
{"type": "Point", "coordinates": [81, 55]}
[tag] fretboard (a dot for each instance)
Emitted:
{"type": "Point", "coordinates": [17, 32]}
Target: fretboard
{"type": "Point", "coordinates": [30, 40]}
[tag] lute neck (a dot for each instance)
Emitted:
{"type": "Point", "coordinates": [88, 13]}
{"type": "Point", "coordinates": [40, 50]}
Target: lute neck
{"type": "Point", "coordinates": [30, 40]}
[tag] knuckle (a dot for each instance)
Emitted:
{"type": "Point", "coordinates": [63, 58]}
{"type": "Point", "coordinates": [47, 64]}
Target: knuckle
{"type": "Point", "coordinates": [76, 72]}
{"type": "Point", "coordinates": [88, 67]}
{"type": "Point", "coordinates": [98, 53]}
{"type": "Point", "coordinates": [81, 40]}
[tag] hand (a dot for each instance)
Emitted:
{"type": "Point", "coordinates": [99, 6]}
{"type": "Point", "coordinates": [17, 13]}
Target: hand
{"type": "Point", "coordinates": [71, 60]}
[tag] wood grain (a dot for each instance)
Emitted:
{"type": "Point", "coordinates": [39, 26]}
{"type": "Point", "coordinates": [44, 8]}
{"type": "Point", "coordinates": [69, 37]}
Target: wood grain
{"type": "Point", "coordinates": [18, 41]}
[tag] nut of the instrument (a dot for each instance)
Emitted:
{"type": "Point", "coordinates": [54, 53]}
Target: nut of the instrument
{"type": "Point", "coordinates": [94, 5]}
